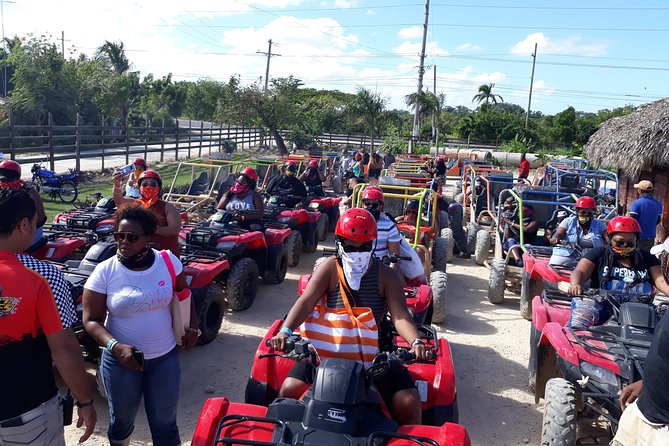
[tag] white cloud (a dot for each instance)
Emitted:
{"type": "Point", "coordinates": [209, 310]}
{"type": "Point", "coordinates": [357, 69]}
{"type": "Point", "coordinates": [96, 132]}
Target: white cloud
{"type": "Point", "coordinates": [410, 33]}
{"type": "Point", "coordinates": [370, 12]}
{"type": "Point", "coordinates": [413, 48]}
{"type": "Point", "coordinates": [345, 4]}
{"type": "Point", "coordinates": [570, 45]}
{"type": "Point", "coordinates": [465, 47]}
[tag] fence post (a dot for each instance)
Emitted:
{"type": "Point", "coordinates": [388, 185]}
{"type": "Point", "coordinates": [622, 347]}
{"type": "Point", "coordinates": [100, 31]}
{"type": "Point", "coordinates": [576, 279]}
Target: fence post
{"type": "Point", "coordinates": [12, 144]}
{"type": "Point", "coordinates": [77, 145]}
{"type": "Point", "coordinates": [102, 143]}
{"type": "Point", "coordinates": [127, 141]}
{"type": "Point", "coordinates": [199, 154]}
{"type": "Point", "coordinates": [52, 161]}
{"type": "Point", "coordinates": [146, 138]}
{"type": "Point", "coordinates": [176, 145]}
{"type": "Point", "coordinates": [162, 141]}
{"type": "Point", "coordinates": [190, 135]}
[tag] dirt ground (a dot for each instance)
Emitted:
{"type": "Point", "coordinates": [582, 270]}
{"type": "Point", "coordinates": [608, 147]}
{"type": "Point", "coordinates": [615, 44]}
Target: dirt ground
{"type": "Point", "coordinates": [489, 344]}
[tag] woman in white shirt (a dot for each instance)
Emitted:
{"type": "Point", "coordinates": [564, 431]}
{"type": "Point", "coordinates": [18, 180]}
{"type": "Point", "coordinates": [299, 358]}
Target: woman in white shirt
{"type": "Point", "coordinates": [127, 310]}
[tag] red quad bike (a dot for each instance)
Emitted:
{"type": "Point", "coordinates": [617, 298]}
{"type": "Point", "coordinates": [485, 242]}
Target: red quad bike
{"type": "Point", "coordinates": [305, 222]}
{"type": "Point", "coordinates": [250, 254]}
{"type": "Point", "coordinates": [581, 372]}
{"type": "Point", "coordinates": [435, 379]}
{"type": "Point", "coordinates": [342, 407]}
{"type": "Point", "coordinates": [329, 209]}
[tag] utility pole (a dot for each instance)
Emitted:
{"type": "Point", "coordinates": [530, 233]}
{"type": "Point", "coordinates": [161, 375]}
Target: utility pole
{"type": "Point", "coordinates": [269, 56]}
{"type": "Point", "coordinates": [4, 46]}
{"type": "Point", "coordinates": [529, 101]}
{"type": "Point", "coordinates": [421, 72]}
{"type": "Point", "coordinates": [434, 112]}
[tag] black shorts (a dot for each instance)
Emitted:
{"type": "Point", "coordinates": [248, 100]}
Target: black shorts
{"type": "Point", "coordinates": [398, 378]}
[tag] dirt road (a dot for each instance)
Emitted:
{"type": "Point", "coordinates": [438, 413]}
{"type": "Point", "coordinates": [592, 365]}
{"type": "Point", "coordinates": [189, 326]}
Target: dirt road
{"type": "Point", "coordinates": [489, 344]}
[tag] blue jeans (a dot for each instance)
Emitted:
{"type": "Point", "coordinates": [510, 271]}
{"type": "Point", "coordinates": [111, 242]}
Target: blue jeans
{"type": "Point", "coordinates": [158, 384]}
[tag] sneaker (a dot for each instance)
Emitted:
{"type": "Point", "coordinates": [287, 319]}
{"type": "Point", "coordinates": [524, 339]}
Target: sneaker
{"type": "Point", "coordinates": [462, 255]}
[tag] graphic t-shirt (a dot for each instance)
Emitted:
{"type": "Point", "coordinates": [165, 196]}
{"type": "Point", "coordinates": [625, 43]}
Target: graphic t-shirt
{"type": "Point", "coordinates": [138, 303]}
{"type": "Point", "coordinates": [654, 400]}
{"type": "Point", "coordinates": [28, 313]}
{"type": "Point", "coordinates": [635, 280]}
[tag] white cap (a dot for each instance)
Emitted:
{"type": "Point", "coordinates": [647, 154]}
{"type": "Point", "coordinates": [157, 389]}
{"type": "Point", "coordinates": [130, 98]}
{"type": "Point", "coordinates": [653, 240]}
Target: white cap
{"type": "Point", "coordinates": [659, 249]}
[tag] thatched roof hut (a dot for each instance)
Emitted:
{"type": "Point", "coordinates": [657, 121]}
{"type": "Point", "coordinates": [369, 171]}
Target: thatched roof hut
{"type": "Point", "coordinates": [637, 145]}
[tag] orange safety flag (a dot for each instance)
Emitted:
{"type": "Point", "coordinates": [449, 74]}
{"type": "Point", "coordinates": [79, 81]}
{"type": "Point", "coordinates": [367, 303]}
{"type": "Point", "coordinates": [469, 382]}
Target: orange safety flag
{"type": "Point", "coordinates": [344, 333]}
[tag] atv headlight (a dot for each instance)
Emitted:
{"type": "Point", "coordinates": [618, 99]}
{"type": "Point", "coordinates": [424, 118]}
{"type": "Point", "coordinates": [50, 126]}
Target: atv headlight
{"type": "Point", "coordinates": [225, 246]}
{"type": "Point", "coordinates": [283, 220]}
{"type": "Point", "coordinates": [599, 374]}
{"type": "Point", "coordinates": [104, 229]}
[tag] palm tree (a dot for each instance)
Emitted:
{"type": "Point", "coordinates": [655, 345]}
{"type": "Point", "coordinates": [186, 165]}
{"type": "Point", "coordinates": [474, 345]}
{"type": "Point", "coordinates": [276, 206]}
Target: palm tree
{"type": "Point", "coordinates": [428, 104]}
{"type": "Point", "coordinates": [368, 107]}
{"type": "Point", "coordinates": [114, 54]}
{"type": "Point", "coordinates": [485, 95]}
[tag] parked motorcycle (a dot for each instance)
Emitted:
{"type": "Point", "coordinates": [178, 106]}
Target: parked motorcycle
{"type": "Point", "coordinates": [64, 186]}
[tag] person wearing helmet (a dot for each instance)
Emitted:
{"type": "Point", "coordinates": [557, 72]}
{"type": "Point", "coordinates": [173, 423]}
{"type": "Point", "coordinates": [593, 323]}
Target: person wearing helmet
{"type": "Point", "coordinates": [440, 167]}
{"type": "Point", "coordinates": [169, 221]}
{"type": "Point", "coordinates": [388, 240]}
{"type": "Point", "coordinates": [411, 213]}
{"type": "Point", "coordinates": [10, 178]}
{"type": "Point", "coordinates": [358, 167]}
{"type": "Point", "coordinates": [243, 200]}
{"type": "Point", "coordinates": [621, 267]}
{"type": "Point", "coordinates": [132, 186]}
{"type": "Point", "coordinates": [512, 227]}
{"type": "Point", "coordinates": [287, 185]}
{"type": "Point", "coordinates": [313, 178]}
{"type": "Point", "coordinates": [582, 229]}
{"type": "Point", "coordinates": [367, 283]}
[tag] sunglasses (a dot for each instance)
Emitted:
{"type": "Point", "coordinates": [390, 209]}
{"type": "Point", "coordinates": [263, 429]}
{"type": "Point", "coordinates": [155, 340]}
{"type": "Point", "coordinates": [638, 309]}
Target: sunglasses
{"type": "Point", "coordinates": [367, 247]}
{"type": "Point", "coordinates": [149, 183]}
{"type": "Point", "coordinates": [624, 243]}
{"type": "Point", "coordinates": [585, 214]}
{"type": "Point", "coordinates": [129, 236]}
{"type": "Point", "coordinates": [371, 204]}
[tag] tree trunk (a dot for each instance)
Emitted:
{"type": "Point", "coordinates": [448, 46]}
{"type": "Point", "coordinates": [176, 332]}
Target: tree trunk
{"type": "Point", "coordinates": [280, 143]}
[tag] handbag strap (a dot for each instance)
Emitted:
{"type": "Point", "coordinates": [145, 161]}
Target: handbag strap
{"type": "Point", "coordinates": [343, 288]}
{"type": "Point", "coordinates": [170, 268]}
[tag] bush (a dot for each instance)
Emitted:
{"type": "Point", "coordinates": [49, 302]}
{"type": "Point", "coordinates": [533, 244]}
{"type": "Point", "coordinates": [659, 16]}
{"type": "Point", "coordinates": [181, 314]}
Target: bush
{"type": "Point", "coordinates": [228, 146]}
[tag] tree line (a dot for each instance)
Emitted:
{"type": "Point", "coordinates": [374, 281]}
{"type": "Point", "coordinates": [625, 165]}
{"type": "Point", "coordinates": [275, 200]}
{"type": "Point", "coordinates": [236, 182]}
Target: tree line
{"type": "Point", "coordinates": [104, 90]}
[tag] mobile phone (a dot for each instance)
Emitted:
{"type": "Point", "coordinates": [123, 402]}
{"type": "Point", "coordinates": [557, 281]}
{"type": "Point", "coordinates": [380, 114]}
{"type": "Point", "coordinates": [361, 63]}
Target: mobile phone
{"type": "Point", "coordinates": [68, 408]}
{"type": "Point", "coordinates": [125, 170]}
{"type": "Point", "coordinates": [139, 357]}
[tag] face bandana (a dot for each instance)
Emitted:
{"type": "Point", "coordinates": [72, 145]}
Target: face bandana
{"type": "Point", "coordinates": [585, 220]}
{"type": "Point", "coordinates": [142, 259]}
{"type": "Point", "coordinates": [239, 188]}
{"type": "Point", "coordinates": [290, 173]}
{"type": "Point", "coordinates": [18, 184]}
{"type": "Point", "coordinates": [623, 251]}
{"type": "Point", "coordinates": [355, 265]}
{"type": "Point", "coordinates": [149, 195]}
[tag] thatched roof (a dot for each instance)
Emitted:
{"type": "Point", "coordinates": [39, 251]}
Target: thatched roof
{"type": "Point", "coordinates": [633, 142]}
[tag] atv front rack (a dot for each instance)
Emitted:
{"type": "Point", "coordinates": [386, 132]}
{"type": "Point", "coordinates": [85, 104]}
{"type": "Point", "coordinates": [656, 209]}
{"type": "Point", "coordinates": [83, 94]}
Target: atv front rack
{"type": "Point", "coordinates": [54, 231]}
{"type": "Point", "coordinates": [374, 438]}
{"type": "Point", "coordinates": [194, 254]}
{"type": "Point", "coordinates": [554, 297]}
{"type": "Point", "coordinates": [208, 237]}
{"type": "Point", "coordinates": [232, 420]}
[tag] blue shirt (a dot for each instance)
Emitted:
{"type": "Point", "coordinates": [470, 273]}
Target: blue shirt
{"type": "Point", "coordinates": [646, 210]}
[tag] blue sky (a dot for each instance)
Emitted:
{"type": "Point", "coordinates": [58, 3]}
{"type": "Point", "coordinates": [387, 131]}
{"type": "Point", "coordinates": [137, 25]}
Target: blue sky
{"type": "Point", "coordinates": [591, 54]}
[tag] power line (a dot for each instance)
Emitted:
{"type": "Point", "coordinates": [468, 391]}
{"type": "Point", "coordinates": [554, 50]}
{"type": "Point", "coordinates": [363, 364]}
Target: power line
{"type": "Point", "coordinates": [223, 11]}
{"type": "Point", "coordinates": [563, 8]}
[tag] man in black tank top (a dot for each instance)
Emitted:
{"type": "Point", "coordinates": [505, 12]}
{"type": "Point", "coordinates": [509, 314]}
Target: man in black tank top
{"type": "Point", "coordinates": [372, 285]}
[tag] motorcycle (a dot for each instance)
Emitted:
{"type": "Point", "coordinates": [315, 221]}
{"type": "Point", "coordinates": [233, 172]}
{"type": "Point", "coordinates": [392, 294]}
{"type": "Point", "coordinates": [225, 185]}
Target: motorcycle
{"type": "Point", "coordinates": [64, 186]}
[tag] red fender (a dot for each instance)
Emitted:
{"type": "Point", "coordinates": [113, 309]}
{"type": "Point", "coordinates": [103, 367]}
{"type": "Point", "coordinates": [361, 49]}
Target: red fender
{"type": "Point", "coordinates": [448, 434]}
{"type": "Point", "coordinates": [58, 249]}
{"type": "Point", "coordinates": [276, 236]}
{"type": "Point", "coordinates": [554, 334]}
{"type": "Point", "coordinates": [200, 275]}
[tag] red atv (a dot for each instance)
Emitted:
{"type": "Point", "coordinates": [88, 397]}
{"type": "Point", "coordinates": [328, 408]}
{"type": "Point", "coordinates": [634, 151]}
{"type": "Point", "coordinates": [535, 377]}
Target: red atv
{"type": "Point", "coordinates": [282, 210]}
{"type": "Point", "coordinates": [581, 372]}
{"type": "Point", "coordinates": [249, 254]}
{"type": "Point", "coordinates": [349, 412]}
{"type": "Point", "coordinates": [434, 379]}
{"type": "Point", "coordinates": [327, 206]}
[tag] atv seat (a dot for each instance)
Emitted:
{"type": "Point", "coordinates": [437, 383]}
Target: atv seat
{"type": "Point", "coordinates": [199, 185]}
{"type": "Point", "coordinates": [225, 185]}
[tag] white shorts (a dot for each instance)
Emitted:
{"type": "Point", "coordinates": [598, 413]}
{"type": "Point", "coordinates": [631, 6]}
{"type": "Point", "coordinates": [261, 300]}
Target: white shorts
{"type": "Point", "coordinates": [635, 430]}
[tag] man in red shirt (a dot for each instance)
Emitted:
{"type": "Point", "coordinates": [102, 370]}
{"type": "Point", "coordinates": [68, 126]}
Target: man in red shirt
{"type": "Point", "coordinates": [524, 171]}
{"type": "Point", "coordinates": [32, 338]}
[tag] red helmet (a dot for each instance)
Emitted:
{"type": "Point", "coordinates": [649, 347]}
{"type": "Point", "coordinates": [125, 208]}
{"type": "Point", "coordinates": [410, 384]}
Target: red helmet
{"type": "Point", "coordinates": [140, 161]}
{"type": "Point", "coordinates": [151, 174]}
{"type": "Point", "coordinates": [251, 174]}
{"type": "Point", "coordinates": [623, 224]}
{"type": "Point", "coordinates": [313, 163]}
{"type": "Point", "coordinates": [11, 165]}
{"type": "Point", "coordinates": [358, 156]}
{"type": "Point", "coordinates": [373, 193]}
{"type": "Point", "coordinates": [586, 203]}
{"type": "Point", "coordinates": [291, 163]}
{"type": "Point", "coordinates": [357, 224]}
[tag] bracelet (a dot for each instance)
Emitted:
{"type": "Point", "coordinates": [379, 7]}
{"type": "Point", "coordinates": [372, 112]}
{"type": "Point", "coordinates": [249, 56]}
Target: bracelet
{"type": "Point", "coordinates": [112, 342]}
{"type": "Point", "coordinates": [417, 341]}
{"type": "Point", "coordinates": [194, 330]}
{"type": "Point", "coordinates": [80, 405]}
{"type": "Point", "coordinates": [286, 331]}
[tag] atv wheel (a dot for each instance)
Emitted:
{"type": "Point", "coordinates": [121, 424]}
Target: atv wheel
{"type": "Point", "coordinates": [472, 231]}
{"type": "Point", "coordinates": [322, 227]}
{"type": "Point", "coordinates": [447, 233]}
{"type": "Point", "coordinates": [294, 245]}
{"type": "Point", "coordinates": [311, 245]}
{"type": "Point", "coordinates": [482, 246]}
{"type": "Point", "coordinates": [496, 282]}
{"type": "Point", "coordinates": [559, 424]}
{"type": "Point", "coordinates": [532, 364]}
{"type": "Point", "coordinates": [439, 285]}
{"type": "Point", "coordinates": [242, 284]}
{"type": "Point", "coordinates": [439, 254]}
{"type": "Point", "coordinates": [210, 313]}
{"type": "Point", "coordinates": [332, 223]}
{"type": "Point", "coordinates": [278, 272]}
{"type": "Point", "coordinates": [529, 288]}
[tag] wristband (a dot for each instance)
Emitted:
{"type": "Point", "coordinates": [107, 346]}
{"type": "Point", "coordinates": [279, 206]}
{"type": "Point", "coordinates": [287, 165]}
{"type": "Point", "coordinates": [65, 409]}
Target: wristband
{"type": "Point", "coordinates": [112, 342]}
{"type": "Point", "coordinates": [80, 405]}
{"type": "Point", "coordinates": [417, 341]}
{"type": "Point", "coordinates": [286, 331]}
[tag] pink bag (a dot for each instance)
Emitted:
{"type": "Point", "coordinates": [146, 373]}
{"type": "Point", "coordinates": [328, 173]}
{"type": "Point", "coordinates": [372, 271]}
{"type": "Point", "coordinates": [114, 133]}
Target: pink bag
{"type": "Point", "coordinates": [180, 303]}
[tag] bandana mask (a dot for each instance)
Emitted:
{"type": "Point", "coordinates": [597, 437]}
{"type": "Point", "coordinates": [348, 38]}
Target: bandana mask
{"type": "Point", "coordinates": [18, 184]}
{"type": "Point", "coordinates": [290, 173]}
{"type": "Point", "coordinates": [149, 195]}
{"type": "Point", "coordinates": [623, 251]}
{"type": "Point", "coordinates": [239, 188]}
{"type": "Point", "coordinates": [585, 220]}
{"type": "Point", "coordinates": [355, 265]}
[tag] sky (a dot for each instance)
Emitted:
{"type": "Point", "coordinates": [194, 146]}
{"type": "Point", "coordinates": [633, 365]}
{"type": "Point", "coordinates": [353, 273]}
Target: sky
{"type": "Point", "coordinates": [591, 55]}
